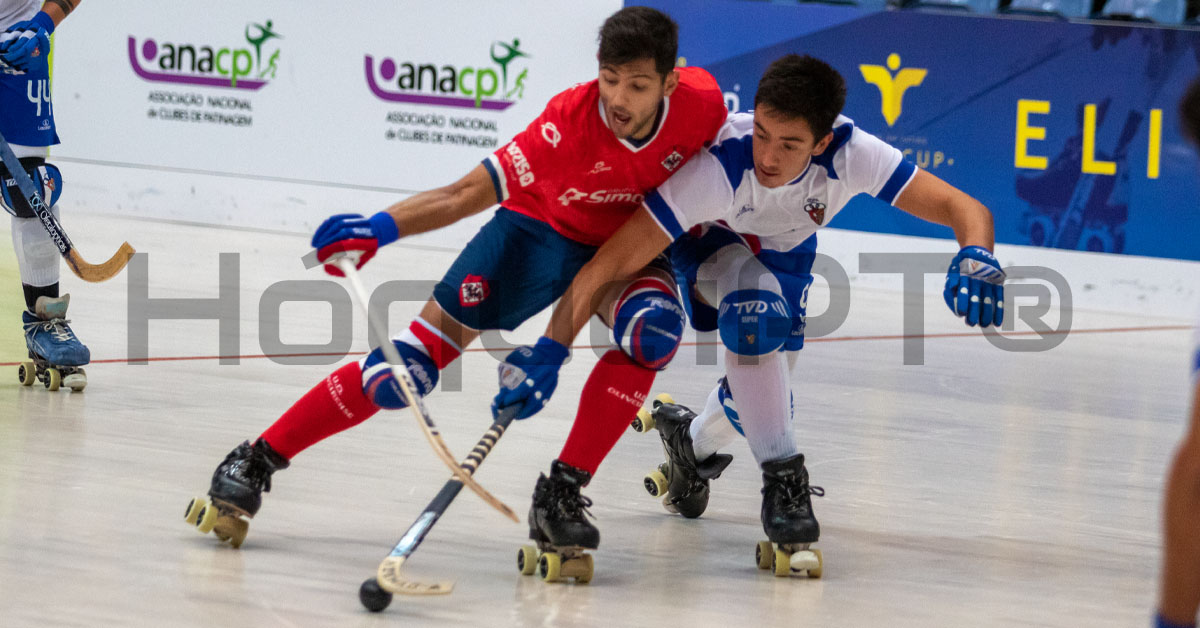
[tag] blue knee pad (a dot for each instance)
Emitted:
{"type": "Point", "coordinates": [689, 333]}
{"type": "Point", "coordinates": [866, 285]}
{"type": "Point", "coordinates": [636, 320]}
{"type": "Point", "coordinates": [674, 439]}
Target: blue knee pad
{"type": "Point", "coordinates": [46, 178]}
{"type": "Point", "coordinates": [648, 327]}
{"type": "Point", "coordinates": [754, 322]}
{"type": "Point", "coordinates": [379, 384]}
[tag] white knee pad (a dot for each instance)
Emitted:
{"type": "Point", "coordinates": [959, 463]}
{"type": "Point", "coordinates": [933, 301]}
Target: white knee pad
{"type": "Point", "coordinates": [37, 255]}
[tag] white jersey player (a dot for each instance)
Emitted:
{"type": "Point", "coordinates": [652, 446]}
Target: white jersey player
{"type": "Point", "coordinates": [743, 217]}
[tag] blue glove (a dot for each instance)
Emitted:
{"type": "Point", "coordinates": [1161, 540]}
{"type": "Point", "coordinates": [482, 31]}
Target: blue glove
{"type": "Point", "coordinates": [528, 377]}
{"type": "Point", "coordinates": [345, 233]}
{"type": "Point", "coordinates": [27, 43]}
{"type": "Point", "coordinates": [975, 287]}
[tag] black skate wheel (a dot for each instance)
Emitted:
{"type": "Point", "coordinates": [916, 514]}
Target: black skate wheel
{"type": "Point", "coordinates": [527, 560]}
{"type": "Point", "coordinates": [655, 483]}
{"type": "Point", "coordinates": [373, 597]}
{"type": "Point", "coordinates": [550, 567]}
{"type": "Point", "coordinates": [764, 554]}
{"type": "Point", "coordinates": [28, 373]}
{"type": "Point", "coordinates": [53, 379]}
{"type": "Point", "coordinates": [644, 421]}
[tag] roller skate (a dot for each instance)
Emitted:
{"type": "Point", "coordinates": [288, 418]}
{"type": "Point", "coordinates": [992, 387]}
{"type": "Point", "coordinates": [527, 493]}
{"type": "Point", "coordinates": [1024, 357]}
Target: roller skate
{"type": "Point", "coordinates": [558, 525]}
{"type": "Point", "coordinates": [237, 488]}
{"type": "Point", "coordinates": [56, 356]}
{"type": "Point", "coordinates": [681, 481]}
{"type": "Point", "coordinates": [788, 520]}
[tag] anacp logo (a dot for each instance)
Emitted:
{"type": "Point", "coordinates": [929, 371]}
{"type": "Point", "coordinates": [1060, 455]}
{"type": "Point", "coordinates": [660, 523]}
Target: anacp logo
{"type": "Point", "coordinates": [248, 67]}
{"type": "Point", "coordinates": [892, 87]}
{"type": "Point", "coordinates": [496, 87]}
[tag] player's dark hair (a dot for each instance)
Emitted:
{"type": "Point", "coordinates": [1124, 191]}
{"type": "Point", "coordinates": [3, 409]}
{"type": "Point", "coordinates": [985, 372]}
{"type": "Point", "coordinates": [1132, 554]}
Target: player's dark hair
{"type": "Point", "coordinates": [1189, 112]}
{"type": "Point", "coordinates": [803, 87]}
{"type": "Point", "coordinates": [640, 33]}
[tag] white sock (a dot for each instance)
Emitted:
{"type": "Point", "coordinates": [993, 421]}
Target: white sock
{"type": "Point", "coordinates": [764, 404]}
{"type": "Point", "coordinates": [37, 256]}
{"type": "Point", "coordinates": [711, 430]}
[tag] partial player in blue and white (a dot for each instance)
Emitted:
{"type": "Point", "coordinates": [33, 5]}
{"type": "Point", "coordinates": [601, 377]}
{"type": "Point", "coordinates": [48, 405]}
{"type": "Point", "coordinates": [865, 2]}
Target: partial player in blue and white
{"type": "Point", "coordinates": [743, 218]}
{"type": "Point", "coordinates": [1179, 597]}
{"type": "Point", "coordinates": [28, 127]}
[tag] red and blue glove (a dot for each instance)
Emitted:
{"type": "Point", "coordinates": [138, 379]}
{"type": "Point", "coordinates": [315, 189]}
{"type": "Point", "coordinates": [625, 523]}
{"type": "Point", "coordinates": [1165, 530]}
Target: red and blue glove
{"type": "Point", "coordinates": [528, 376]}
{"type": "Point", "coordinates": [353, 234]}
{"type": "Point", "coordinates": [975, 287]}
{"type": "Point", "coordinates": [26, 44]}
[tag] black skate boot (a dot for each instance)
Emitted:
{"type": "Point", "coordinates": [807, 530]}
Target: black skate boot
{"type": "Point", "coordinates": [558, 523]}
{"type": "Point", "coordinates": [237, 488]}
{"type": "Point", "coordinates": [681, 480]}
{"type": "Point", "coordinates": [788, 519]}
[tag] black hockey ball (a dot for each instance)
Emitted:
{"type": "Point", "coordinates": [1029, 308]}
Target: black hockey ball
{"type": "Point", "coordinates": [373, 597]}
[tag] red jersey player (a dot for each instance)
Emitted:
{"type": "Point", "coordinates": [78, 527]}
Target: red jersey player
{"type": "Point", "coordinates": [565, 184]}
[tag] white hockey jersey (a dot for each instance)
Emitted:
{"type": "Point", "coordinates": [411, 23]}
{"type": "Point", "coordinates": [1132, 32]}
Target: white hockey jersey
{"type": "Point", "coordinates": [13, 11]}
{"type": "Point", "coordinates": [718, 185]}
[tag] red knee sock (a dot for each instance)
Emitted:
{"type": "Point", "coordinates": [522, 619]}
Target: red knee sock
{"type": "Point", "coordinates": [611, 397]}
{"type": "Point", "coordinates": [335, 404]}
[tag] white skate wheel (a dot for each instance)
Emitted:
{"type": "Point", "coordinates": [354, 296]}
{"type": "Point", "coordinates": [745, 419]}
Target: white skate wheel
{"type": "Point", "coordinates": [807, 560]}
{"type": "Point", "coordinates": [663, 398]}
{"type": "Point", "coordinates": [76, 381]}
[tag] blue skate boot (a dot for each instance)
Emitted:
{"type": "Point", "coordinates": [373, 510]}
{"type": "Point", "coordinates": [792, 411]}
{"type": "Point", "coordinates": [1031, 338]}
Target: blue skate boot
{"type": "Point", "coordinates": [56, 354]}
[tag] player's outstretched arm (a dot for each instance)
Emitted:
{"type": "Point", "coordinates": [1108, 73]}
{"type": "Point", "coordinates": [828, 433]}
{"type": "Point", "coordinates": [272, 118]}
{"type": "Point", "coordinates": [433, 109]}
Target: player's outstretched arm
{"type": "Point", "coordinates": [418, 213]}
{"type": "Point", "coordinates": [529, 375]}
{"type": "Point", "coordinates": [929, 198]}
{"type": "Point", "coordinates": [633, 246]}
{"type": "Point", "coordinates": [975, 282]}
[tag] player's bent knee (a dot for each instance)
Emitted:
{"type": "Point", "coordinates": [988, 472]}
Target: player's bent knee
{"type": "Point", "coordinates": [46, 178]}
{"type": "Point", "coordinates": [379, 384]}
{"type": "Point", "coordinates": [754, 322]}
{"type": "Point", "coordinates": [648, 328]}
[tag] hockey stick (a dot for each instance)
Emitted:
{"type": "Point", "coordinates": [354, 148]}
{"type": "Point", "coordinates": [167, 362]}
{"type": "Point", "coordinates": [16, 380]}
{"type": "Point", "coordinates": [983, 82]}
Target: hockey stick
{"type": "Point", "coordinates": [388, 576]}
{"type": "Point", "coordinates": [408, 390]}
{"type": "Point", "coordinates": [85, 271]}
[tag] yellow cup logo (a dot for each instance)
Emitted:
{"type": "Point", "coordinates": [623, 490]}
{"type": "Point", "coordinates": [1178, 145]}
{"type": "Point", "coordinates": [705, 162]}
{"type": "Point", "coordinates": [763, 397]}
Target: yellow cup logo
{"type": "Point", "coordinates": [892, 86]}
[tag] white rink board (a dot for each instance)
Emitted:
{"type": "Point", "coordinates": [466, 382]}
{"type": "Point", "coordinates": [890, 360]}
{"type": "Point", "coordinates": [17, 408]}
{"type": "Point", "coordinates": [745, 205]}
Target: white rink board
{"type": "Point", "coordinates": [315, 116]}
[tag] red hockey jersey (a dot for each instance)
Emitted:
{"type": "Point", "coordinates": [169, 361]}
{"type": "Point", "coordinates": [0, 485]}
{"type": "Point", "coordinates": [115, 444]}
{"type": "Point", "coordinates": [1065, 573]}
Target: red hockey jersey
{"type": "Point", "coordinates": [569, 170]}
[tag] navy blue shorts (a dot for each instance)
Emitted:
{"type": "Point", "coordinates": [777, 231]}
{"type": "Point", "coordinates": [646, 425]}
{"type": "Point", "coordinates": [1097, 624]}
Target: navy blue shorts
{"type": "Point", "coordinates": [25, 100]}
{"type": "Point", "coordinates": [512, 269]}
{"type": "Point", "coordinates": [792, 268]}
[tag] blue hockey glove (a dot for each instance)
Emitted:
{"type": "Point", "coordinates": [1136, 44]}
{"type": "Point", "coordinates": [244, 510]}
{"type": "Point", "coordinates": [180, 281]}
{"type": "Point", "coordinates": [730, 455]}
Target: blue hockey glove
{"type": "Point", "coordinates": [344, 233]}
{"type": "Point", "coordinates": [26, 44]}
{"type": "Point", "coordinates": [975, 287]}
{"type": "Point", "coordinates": [528, 377]}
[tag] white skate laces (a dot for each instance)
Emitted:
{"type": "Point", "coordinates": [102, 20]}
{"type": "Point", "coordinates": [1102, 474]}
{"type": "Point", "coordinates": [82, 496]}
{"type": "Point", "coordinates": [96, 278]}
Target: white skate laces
{"type": "Point", "coordinates": [56, 326]}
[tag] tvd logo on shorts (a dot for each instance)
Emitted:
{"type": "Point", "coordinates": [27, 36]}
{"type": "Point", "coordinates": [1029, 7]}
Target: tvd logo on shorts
{"type": "Point", "coordinates": [473, 291]}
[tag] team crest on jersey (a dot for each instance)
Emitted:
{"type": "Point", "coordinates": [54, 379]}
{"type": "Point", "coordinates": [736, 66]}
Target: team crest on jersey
{"type": "Point", "coordinates": [815, 209]}
{"type": "Point", "coordinates": [473, 291]}
{"type": "Point", "coordinates": [673, 161]}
